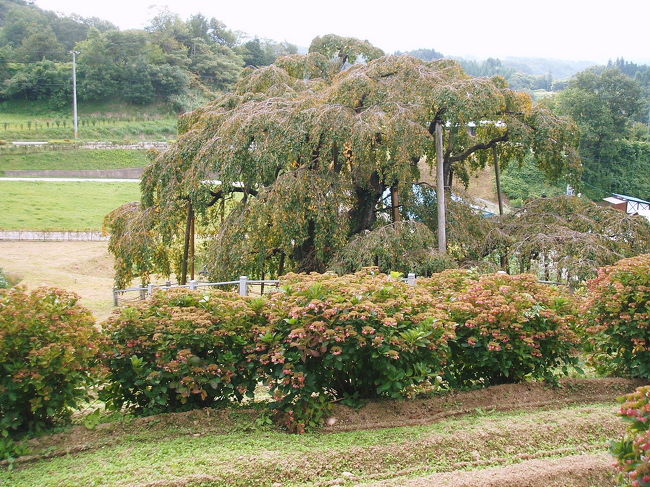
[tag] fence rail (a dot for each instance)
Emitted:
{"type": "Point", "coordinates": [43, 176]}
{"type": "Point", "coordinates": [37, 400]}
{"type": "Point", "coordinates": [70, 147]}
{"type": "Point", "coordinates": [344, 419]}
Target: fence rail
{"type": "Point", "coordinates": [243, 282]}
{"type": "Point", "coordinates": [57, 236]}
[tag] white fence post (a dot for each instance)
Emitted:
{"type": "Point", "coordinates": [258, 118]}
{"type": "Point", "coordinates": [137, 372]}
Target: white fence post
{"type": "Point", "coordinates": [410, 279]}
{"type": "Point", "coordinates": [150, 289]}
{"type": "Point", "coordinates": [243, 285]}
{"type": "Point", "coordinates": [193, 285]}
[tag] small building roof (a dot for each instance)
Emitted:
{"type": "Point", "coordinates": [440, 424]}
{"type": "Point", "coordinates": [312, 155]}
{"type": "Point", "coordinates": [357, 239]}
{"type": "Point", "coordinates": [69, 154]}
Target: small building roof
{"type": "Point", "coordinates": [613, 200]}
{"type": "Point", "coordinates": [631, 198]}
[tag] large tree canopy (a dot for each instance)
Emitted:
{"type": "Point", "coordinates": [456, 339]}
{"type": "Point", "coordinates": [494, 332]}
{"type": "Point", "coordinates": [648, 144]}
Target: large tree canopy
{"type": "Point", "coordinates": [313, 144]}
{"type": "Point", "coordinates": [605, 103]}
{"type": "Point", "coordinates": [566, 238]}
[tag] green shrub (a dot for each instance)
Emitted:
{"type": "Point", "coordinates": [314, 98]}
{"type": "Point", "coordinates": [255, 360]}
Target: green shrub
{"type": "Point", "coordinates": [631, 451]}
{"type": "Point", "coordinates": [508, 328]}
{"type": "Point", "coordinates": [618, 310]}
{"type": "Point", "coordinates": [4, 282]}
{"type": "Point", "coordinates": [181, 350]}
{"type": "Point", "coordinates": [350, 337]}
{"type": "Point", "coordinates": [48, 347]}
{"type": "Point", "coordinates": [447, 285]}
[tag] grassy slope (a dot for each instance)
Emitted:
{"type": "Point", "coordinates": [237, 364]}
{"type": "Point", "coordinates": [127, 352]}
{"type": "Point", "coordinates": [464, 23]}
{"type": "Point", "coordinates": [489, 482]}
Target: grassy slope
{"type": "Point", "coordinates": [56, 206]}
{"type": "Point", "coordinates": [112, 131]}
{"type": "Point", "coordinates": [113, 121]}
{"type": "Point", "coordinates": [183, 454]}
{"type": "Point", "coordinates": [74, 159]}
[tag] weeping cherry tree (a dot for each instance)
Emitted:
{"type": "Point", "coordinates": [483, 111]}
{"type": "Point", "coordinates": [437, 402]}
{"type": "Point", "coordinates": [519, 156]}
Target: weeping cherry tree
{"type": "Point", "coordinates": [315, 152]}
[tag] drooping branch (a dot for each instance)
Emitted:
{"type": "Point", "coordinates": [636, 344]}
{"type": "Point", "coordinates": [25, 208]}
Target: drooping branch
{"type": "Point", "coordinates": [220, 194]}
{"type": "Point", "coordinates": [481, 146]}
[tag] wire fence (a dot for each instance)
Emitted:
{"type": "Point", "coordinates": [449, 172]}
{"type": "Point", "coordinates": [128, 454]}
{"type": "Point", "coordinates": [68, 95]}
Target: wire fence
{"type": "Point", "coordinates": [243, 284]}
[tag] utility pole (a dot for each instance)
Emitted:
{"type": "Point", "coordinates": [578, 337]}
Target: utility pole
{"type": "Point", "coordinates": [74, 92]}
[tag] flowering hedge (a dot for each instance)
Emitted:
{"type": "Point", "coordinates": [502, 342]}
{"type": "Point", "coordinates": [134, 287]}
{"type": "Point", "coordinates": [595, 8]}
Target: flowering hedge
{"type": "Point", "coordinates": [509, 327]}
{"type": "Point", "coordinates": [48, 348]}
{"type": "Point", "coordinates": [631, 452]}
{"type": "Point", "coordinates": [618, 310]}
{"type": "Point", "coordinates": [356, 336]}
{"type": "Point", "coordinates": [181, 350]}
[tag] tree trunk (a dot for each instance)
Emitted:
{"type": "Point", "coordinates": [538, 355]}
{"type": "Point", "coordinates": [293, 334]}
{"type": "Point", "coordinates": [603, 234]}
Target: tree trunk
{"type": "Point", "coordinates": [363, 214]}
{"type": "Point", "coordinates": [305, 254]}
{"type": "Point", "coordinates": [191, 256]}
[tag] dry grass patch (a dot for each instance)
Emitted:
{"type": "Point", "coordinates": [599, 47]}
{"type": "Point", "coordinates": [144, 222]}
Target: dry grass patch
{"type": "Point", "coordinates": [85, 268]}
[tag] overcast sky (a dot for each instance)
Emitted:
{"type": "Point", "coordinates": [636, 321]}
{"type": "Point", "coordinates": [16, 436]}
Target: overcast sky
{"type": "Point", "coordinates": [592, 30]}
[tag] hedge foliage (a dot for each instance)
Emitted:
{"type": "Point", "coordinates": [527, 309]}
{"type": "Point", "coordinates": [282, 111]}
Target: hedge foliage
{"type": "Point", "coordinates": [357, 336]}
{"type": "Point", "coordinates": [181, 350]}
{"type": "Point", "coordinates": [508, 327]}
{"type": "Point", "coordinates": [631, 451]}
{"type": "Point", "coordinates": [327, 337]}
{"type": "Point", "coordinates": [323, 337]}
{"type": "Point", "coordinates": [618, 312]}
{"type": "Point", "coordinates": [48, 351]}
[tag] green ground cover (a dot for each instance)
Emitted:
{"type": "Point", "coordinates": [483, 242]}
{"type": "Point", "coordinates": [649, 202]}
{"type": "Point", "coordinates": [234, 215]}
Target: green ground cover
{"type": "Point", "coordinates": [111, 130]}
{"type": "Point", "coordinates": [97, 121]}
{"type": "Point", "coordinates": [250, 454]}
{"type": "Point", "coordinates": [43, 205]}
{"type": "Point", "coordinates": [74, 159]}
{"type": "Point", "coordinates": [22, 110]}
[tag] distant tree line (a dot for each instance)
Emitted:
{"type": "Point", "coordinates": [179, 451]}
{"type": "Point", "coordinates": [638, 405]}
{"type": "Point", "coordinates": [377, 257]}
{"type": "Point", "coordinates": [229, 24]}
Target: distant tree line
{"type": "Point", "coordinates": [172, 60]}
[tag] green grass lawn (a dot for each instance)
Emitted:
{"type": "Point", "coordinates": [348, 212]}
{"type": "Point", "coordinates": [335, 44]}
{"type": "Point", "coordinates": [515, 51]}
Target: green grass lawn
{"type": "Point", "coordinates": [186, 453]}
{"type": "Point", "coordinates": [42, 205]}
{"type": "Point", "coordinates": [74, 159]}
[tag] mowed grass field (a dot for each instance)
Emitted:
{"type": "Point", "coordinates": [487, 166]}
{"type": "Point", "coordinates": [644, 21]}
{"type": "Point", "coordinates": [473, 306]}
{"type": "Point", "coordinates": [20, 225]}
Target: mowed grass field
{"type": "Point", "coordinates": [74, 159]}
{"type": "Point", "coordinates": [41, 205]}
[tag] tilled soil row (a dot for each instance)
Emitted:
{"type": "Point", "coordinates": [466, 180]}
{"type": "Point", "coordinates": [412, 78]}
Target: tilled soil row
{"type": "Point", "coordinates": [508, 397]}
{"type": "Point", "coordinates": [486, 442]}
{"type": "Point", "coordinates": [571, 471]}
{"type": "Point", "coordinates": [375, 414]}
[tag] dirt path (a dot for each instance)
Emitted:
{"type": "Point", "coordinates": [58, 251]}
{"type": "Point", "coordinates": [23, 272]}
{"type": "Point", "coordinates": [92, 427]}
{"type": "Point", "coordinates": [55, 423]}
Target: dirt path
{"type": "Point", "coordinates": [535, 395]}
{"type": "Point", "coordinates": [384, 414]}
{"type": "Point", "coordinates": [85, 268]}
{"type": "Point", "coordinates": [571, 471]}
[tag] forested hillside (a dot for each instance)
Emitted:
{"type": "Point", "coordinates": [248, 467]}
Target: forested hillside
{"type": "Point", "coordinates": [181, 62]}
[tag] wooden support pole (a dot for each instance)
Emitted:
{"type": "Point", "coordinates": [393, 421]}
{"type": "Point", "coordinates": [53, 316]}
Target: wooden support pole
{"type": "Point", "coordinates": [186, 244]}
{"type": "Point", "coordinates": [440, 191]}
{"type": "Point", "coordinates": [191, 256]}
{"type": "Point", "coordinates": [394, 197]}
{"type": "Point", "coordinates": [497, 174]}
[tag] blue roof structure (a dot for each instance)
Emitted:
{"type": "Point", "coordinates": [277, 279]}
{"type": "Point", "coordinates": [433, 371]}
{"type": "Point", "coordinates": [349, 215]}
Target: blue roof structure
{"type": "Point", "coordinates": [631, 198]}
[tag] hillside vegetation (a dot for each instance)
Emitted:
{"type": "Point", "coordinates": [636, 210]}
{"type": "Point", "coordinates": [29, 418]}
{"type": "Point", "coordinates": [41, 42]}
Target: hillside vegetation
{"type": "Point", "coordinates": [180, 62]}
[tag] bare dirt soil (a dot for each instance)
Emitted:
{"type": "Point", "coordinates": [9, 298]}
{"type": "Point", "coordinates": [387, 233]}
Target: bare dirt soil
{"type": "Point", "coordinates": [534, 395]}
{"type": "Point", "coordinates": [374, 415]}
{"type": "Point", "coordinates": [85, 268]}
{"type": "Point", "coordinates": [571, 471]}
